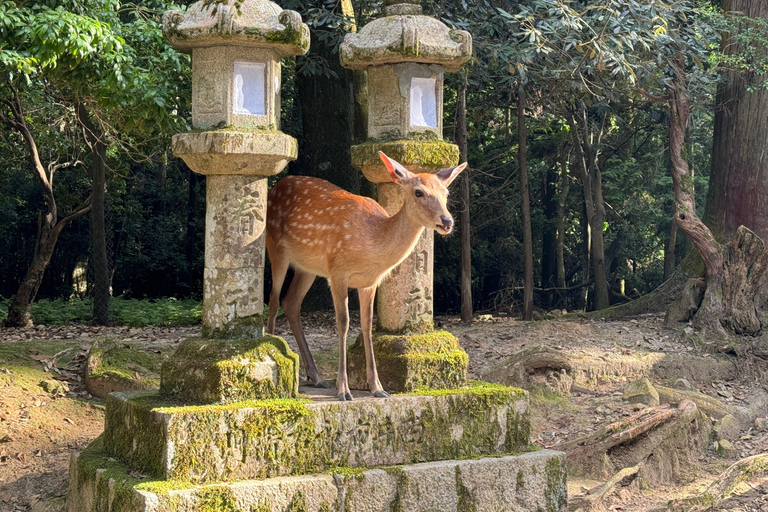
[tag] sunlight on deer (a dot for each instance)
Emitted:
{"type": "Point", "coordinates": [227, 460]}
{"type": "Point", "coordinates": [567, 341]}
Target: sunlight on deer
{"type": "Point", "coordinates": [322, 230]}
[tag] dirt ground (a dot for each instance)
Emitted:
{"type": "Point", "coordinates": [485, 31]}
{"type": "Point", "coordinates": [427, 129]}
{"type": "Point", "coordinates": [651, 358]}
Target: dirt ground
{"type": "Point", "coordinates": [39, 428]}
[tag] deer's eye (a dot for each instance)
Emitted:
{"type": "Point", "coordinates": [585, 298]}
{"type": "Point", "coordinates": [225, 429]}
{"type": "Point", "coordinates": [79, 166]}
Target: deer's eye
{"type": "Point", "coordinates": [419, 193]}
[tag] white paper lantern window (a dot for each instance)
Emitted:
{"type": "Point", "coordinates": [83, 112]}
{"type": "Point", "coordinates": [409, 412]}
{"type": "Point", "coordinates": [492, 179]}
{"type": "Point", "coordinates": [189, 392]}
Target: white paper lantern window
{"type": "Point", "coordinates": [249, 90]}
{"type": "Point", "coordinates": [423, 102]}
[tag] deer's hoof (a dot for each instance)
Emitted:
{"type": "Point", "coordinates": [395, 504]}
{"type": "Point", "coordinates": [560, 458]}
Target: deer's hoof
{"type": "Point", "coordinates": [345, 396]}
{"type": "Point", "coordinates": [381, 394]}
{"type": "Point", "coordinates": [322, 384]}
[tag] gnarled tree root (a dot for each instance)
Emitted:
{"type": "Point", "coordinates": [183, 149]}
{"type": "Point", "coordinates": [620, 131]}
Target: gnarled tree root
{"type": "Point", "coordinates": [592, 500]}
{"type": "Point", "coordinates": [722, 487]}
{"type": "Point", "coordinates": [663, 439]}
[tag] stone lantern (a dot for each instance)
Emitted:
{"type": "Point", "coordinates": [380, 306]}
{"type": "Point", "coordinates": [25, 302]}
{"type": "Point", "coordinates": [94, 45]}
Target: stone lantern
{"type": "Point", "coordinates": [236, 47]}
{"type": "Point", "coordinates": [405, 54]}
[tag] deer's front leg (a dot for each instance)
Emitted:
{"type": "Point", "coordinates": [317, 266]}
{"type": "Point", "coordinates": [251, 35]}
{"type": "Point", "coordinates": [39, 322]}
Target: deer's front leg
{"type": "Point", "coordinates": [339, 292]}
{"type": "Point", "coordinates": [366, 323]}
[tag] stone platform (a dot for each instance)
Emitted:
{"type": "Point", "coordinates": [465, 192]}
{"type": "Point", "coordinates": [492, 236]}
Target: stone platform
{"type": "Point", "coordinates": [533, 481]}
{"type": "Point", "coordinates": [317, 454]}
{"type": "Point", "coordinates": [268, 438]}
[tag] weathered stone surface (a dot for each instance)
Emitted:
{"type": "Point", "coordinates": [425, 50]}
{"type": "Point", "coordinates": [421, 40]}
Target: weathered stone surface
{"type": "Point", "coordinates": [233, 296]}
{"type": "Point", "coordinates": [411, 38]}
{"type": "Point", "coordinates": [641, 391]}
{"type": "Point", "coordinates": [260, 439]}
{"type": "Point", "coordinates": [226, 371]}
{"type": "Point", "coordinates": [113, 366]}
{"type": "Point", "coordinates": [226, 152]}
{"type": "Point", "coordinates": [428, 155]}
{"type": "Point", "coordinates": [411, 362]}
{"type": "Point", "coordinates": [237, 23]}
{"type": "Point", "coordinates": [532, 481]}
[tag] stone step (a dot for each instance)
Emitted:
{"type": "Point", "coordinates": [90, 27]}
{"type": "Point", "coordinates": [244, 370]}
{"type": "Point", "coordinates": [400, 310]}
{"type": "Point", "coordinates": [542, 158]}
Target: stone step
{"type": "Point", "coordinates": [533, 481]}
{"type": "Point", "coordinates": [268, 438]}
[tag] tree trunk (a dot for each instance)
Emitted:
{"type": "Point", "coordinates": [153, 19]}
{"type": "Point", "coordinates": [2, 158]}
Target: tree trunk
{"type": "Point", "coordinates": [738, 182]}
{"type": "Point", "coordinates": [466, 247]}
{"type": "Point", "coordinates": [549, 234]}
{"type": "Point", "coordinates": [669, 252]}
{"type": "Point", "coordinates": [98, 225]}
{"type": "Point", "coordinates": [18, 310]}
{"type": "Point", "coordinates": [525, 202]}
{"type": "Point", "coordinates": [49, 227]}
{"type": "Point", "coordinates": [735, 272]}
{"type": "Point", "coordinates": [327, 127]}
{"type": "Point", "coordinates": [592, 183]}
{"type": "Point", "coordinates": [562, 201]}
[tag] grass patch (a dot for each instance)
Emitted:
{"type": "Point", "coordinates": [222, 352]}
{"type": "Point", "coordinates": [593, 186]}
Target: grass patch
{"type": "Point", "coordinates": [129, 312]}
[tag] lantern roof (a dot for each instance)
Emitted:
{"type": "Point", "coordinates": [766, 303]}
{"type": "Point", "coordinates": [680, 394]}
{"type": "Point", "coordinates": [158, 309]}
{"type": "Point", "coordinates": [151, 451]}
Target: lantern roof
{"type": "Point", "coordinates": [405, 35]}
{"type": "Point", "coordinates": [254, 23]}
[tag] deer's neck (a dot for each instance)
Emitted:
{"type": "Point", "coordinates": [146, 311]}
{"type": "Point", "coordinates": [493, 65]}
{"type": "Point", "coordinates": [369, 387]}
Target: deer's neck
{"type": "Point", "coordinates": [399, 236]}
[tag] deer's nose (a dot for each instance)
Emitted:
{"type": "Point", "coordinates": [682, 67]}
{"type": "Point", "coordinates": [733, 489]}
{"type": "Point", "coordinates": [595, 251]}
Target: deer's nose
{"type": "Point", "coordinates": [447, 222]}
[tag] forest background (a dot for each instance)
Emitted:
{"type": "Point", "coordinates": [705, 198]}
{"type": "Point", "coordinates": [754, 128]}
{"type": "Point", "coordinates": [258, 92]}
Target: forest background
{"type": "Point", "coordinates": [566, 115]}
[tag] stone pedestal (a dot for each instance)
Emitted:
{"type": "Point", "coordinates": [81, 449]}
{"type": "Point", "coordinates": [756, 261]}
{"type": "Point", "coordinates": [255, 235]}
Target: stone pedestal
{"type": "Point", "coordinates": [319, 455]}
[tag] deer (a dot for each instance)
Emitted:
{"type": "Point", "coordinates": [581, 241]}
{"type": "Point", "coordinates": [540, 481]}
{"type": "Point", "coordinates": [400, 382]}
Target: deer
{"type": "Point", "coordinates": [322, 230]}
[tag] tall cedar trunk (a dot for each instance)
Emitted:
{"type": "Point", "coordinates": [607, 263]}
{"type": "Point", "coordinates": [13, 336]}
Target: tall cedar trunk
{"type": "Point", "coordinates": [525, 201]}
{"type": "Point", "coordinates": [562, 200]}
{"type": "Point", "coordinates": [49, 227]}
{"type": "Point", "coordinates": [669, 252]}
{"type": "Point", "coordinates": [549, 234]}
{"type": "Point", "coordinates": [584, 257]}
{"type": "Point", "coordinates": [98, 225]}
{"type": "Point", "coordinates": [737, 271]}
{"type": "Point", "coordinates": [327, 126]}
{"type": "Point", "coordinates": [466, 247]}
{"type": "Point", "coordinates": [738, 180]}
{"type": "Point", "coordinates": [592, 183]}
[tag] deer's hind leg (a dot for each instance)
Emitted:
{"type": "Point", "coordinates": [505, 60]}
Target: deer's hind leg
{"type": "Point", "coordinates": [297, 290]}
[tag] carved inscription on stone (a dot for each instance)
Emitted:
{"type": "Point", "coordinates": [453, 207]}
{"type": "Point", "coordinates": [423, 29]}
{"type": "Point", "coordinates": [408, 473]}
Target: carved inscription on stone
{"type": "Point", "coordinates": [209, 96]}
{"type": "Point", "coordinates": [251, 214]}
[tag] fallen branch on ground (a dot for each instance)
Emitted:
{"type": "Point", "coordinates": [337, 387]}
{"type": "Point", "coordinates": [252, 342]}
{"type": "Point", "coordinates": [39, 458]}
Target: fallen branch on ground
{"type": "Point", "coordinates": [593, 498]}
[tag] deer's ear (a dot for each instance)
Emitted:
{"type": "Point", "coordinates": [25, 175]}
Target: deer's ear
{"type": "Point", "coordinates": [448, 175]}
{"type": "Point", "coordinates": [398, 173]}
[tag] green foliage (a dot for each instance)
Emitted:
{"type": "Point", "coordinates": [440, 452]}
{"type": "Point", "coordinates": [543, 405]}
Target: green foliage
{"type": "Point", "coordinates": [129, 312]}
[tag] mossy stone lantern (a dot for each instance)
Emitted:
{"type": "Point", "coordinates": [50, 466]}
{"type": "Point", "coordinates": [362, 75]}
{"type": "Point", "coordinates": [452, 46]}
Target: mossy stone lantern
{"type": "Point", "coordinates": [236, 48]}
{"type": "Point", "coordinates": [405, 55]}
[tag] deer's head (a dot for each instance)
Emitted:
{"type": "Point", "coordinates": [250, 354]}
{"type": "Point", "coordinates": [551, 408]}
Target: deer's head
{"type": "Point", "coordinates": [425, 195]}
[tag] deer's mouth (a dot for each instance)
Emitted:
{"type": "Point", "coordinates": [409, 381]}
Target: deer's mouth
{"type": "Point", "coordinates": [444, 227]}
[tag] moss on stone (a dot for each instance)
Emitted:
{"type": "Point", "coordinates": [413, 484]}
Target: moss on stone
{"type": "Point", "coordinates": [556, 493]}
{"type": "Point", "coordinates": [425, 152]}
{"type": "Point", "coordinates": [408, 362]}
{"type": "Point", "coordinates": [206, 371]}
{"type": "Point", "coordinates": [466, 502]}
{"type": "Point", "coordinates": [114, 366]}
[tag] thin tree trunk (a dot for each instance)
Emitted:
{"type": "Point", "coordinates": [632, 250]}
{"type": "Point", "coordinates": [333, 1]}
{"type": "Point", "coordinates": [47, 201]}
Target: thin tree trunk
{"type": "Point", "coordinates": [466, 247]}
{"type": "Point", "coordinates": [549, 233]}
{"type": "Point", "coordinates": [525, 201]}
{"type": "Point", "coordinates": [562, 201]}
{"type": "Point", "coordinates": [49, 227]}
{"type": "Point", "coordinates": [669, 253]}
{"type": "Point", "coordinates": [98, 226]}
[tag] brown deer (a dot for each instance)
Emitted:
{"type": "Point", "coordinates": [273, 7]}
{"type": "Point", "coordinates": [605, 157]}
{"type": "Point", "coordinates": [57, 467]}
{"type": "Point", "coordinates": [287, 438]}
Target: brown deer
{"type": "Point", "coordinates": [322, 230]}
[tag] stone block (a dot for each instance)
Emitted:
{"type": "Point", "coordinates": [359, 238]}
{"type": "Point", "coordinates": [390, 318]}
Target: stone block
{"type": "Point", "coordinates": [226, 371]}
{"type": "Point", "coordinates": [531, 481]}
{"type": "Point", "coordinates": [728, 427]}
{"type": "Point", "coordinates": [641, 391]}
{"type": "Point", "coordinates": [261, 152]}
{"type": "Point", "coordinates": [266, 438]}
{"type": "Point", "coordinates": [113, 366]}
{"type": "Point", "coordinates": [411, 362]}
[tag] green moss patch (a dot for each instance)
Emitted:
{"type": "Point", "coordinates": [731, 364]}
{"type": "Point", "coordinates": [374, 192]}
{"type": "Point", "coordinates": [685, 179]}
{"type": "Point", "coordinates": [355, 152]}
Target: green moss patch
{"type": "Point", "coordinates": [117, 366]}
{"type": "Point", "coordinates": [422, 151]}
{"type": "Point", "coordinates": [409, 362]}
{"type": "Point", "coordinates": [227, 371]}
